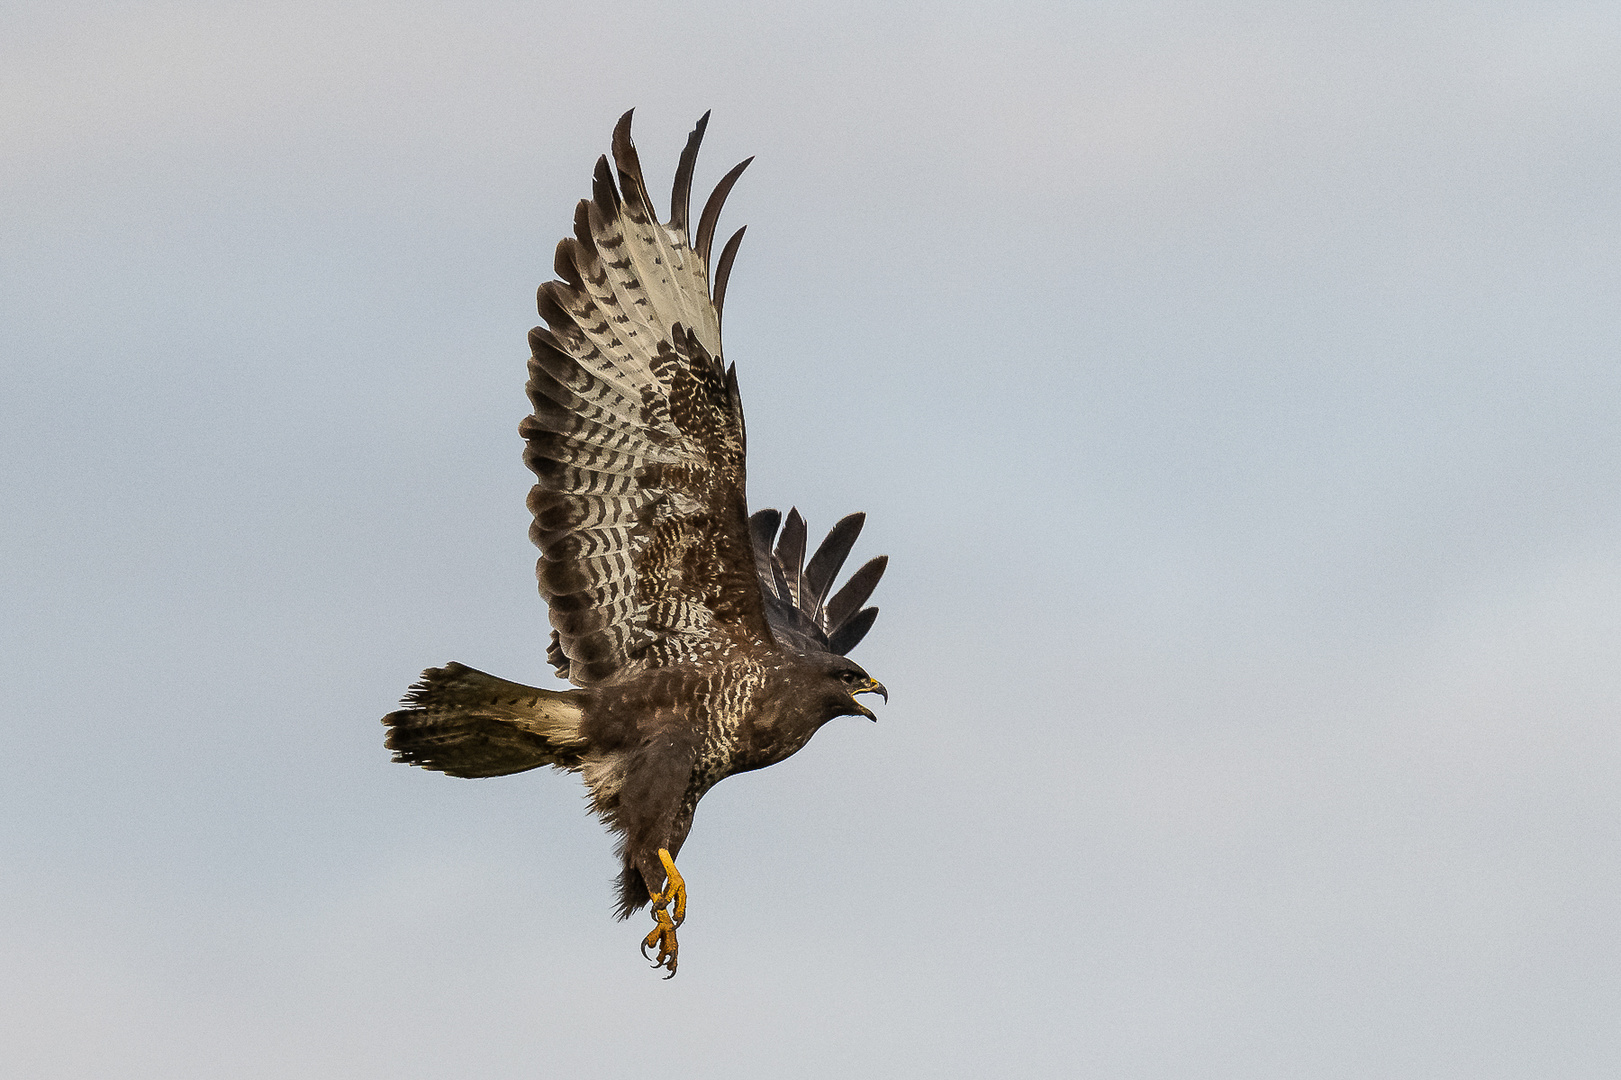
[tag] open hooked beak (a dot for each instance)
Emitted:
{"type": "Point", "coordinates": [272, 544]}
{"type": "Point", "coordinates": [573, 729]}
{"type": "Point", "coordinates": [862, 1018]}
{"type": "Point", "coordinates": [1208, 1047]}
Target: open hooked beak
{"type": "Point", "coordinates": [871, 686]}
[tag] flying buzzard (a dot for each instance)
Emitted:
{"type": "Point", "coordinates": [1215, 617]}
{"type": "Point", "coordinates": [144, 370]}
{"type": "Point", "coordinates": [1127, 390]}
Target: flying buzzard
{"type": "Point", "coordinates": [699, 649]}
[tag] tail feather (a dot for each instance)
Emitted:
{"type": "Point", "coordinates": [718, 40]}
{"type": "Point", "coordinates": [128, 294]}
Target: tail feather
{"type": "Point", "coordinates": [464, 722]}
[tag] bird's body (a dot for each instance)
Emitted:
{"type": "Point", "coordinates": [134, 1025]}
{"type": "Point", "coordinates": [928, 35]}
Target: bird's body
{"type": "Point", "coordinates": [661, 741]}
{"type": "Point", "coordinates": [699, 650]}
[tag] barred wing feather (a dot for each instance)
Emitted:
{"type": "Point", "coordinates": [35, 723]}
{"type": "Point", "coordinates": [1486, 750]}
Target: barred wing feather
{"type": "Point", "coordinates": [636, 438]}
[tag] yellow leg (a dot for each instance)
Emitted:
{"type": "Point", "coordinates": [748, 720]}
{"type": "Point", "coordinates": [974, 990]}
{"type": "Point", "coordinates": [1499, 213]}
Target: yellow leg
{"type": "Point", "coordinates": [663, 934]}
{"type": "Point", "coordinates": [674, 889]}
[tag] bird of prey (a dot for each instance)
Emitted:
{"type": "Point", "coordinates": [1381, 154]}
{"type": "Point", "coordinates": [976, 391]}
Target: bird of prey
{"type": "Point", "coordinates": [700, 640]}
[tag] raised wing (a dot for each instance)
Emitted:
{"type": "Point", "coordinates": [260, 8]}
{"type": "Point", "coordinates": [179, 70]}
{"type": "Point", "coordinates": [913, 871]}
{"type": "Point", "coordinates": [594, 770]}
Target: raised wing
{"type": "Point", "coordinates": [797, 606]}
{"type": "Point", "coordinates": [636, 439]}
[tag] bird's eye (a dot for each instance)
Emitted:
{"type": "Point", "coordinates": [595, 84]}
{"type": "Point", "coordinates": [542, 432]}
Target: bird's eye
{"type": "Point", "coordinates": [848, 676]}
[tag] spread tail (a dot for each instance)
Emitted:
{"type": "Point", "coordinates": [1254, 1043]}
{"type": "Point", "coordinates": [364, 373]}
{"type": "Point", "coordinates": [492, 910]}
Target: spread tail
{"type": "Point", "coordinates": [463, 722]}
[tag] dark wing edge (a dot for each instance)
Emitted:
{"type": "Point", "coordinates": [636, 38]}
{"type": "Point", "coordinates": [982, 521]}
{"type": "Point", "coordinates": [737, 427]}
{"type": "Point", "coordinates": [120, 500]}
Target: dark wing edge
{"type": "Point", "coordinates": [798, 606]}
{"type": "Point", "coordinates": [636, 437]}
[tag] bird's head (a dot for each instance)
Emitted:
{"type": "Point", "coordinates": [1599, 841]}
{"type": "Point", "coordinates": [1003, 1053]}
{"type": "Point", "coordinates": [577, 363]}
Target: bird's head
{"type": "Point", "coordinates": [836, 682]}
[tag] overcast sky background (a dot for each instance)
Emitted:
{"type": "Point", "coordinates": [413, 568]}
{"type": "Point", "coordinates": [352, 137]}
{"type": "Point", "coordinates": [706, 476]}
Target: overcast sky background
{"type": "Point", "coordinates": [1235, 388]}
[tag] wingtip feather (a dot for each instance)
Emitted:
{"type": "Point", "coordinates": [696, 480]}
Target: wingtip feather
{"type": "Point", "coordinates": [711, 214]}
{"type": "Point", "coordinates": [724, 270]}
{"type": "Point", "coordinates": [681, 191]}
{"type": "Point", "coordinates": [629, 165]}
{"type": "Point", "coordinates": [829, 559]}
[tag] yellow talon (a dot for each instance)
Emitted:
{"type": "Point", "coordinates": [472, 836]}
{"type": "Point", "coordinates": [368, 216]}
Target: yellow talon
{"type": "Point", "coordinates": [663, 934]}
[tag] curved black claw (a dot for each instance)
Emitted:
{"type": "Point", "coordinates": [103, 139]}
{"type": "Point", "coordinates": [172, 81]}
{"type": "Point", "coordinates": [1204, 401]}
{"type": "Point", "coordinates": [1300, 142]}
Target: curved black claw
{"type": "Point", "coordinates": [663, 936]}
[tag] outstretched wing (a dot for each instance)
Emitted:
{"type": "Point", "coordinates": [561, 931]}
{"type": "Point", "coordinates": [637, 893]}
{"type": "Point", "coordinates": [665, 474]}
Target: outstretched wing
{"type": "Point", "coordinates": [797, 606]}
{"type": "Point", "coordinates": [636, 439]}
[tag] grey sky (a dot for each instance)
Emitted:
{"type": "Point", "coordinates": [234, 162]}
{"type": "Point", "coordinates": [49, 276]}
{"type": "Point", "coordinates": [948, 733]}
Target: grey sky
{"type": "Point", "coordinates": [1233, 386]}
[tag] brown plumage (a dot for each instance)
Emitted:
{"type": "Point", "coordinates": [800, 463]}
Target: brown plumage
{"type": "Point", "coordinates": [698, 650]}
